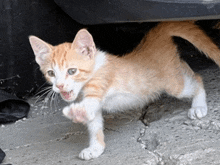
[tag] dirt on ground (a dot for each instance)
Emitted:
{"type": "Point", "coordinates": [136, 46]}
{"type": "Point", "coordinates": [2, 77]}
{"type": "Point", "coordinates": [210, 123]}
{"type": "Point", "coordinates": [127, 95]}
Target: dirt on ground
{"type": "Point", "coordinates": [46, 137]}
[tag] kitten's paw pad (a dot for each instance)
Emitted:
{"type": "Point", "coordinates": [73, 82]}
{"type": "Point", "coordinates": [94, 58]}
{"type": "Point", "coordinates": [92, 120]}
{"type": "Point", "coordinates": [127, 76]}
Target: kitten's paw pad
{"type": "Point", "coordinates": [197, 112]}
{"type": "Point", "coordinates": [79, 114]}
{"type": "Point", "coordinates": [91, 152]}
{"type": "Point", "coordinates": [75, 113]}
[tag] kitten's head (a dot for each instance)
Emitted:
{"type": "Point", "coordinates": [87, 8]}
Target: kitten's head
{"type": "Point", "coordinates": [67, 66]}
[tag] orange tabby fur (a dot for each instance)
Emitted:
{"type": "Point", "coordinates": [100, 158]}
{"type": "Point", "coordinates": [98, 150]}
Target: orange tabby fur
{"type": "Point", "coordinates": [118, 83]}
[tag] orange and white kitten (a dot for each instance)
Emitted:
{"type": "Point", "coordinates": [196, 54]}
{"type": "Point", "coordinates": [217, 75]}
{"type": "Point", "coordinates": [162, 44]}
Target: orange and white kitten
{"type": "Point", "coordinates": [111, 83]}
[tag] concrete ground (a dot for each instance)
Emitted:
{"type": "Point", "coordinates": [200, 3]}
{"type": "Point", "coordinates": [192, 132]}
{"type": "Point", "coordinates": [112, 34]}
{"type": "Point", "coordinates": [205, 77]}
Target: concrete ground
{"type": "Point", "coordinates": [48, 138]}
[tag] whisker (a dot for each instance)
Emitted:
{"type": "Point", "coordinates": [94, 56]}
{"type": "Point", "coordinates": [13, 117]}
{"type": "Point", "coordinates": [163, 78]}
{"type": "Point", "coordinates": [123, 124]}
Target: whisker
{"type": "Point", "coordinates": [41, 87]}
{"type": "Point", "coordinates": [44, 89]}
{"type": "Point", "coordinates": [45, 102]}
{"type": "Point", "coordinates": [51, 99]}
{"type": "Point", "coordinates": [56, 101]}
{"type": "Point", "coordinates": [41, 96]}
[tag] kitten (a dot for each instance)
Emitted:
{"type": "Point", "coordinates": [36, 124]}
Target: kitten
{"type": "Point", "coordinates": [118, 83]}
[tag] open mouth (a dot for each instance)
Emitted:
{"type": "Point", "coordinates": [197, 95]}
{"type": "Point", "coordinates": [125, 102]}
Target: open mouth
{"type": "Point", "coordinates": [67, 95]}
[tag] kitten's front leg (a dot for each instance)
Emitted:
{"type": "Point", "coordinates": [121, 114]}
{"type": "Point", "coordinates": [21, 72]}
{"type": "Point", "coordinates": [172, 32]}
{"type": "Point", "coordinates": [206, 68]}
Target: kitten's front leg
{"type": "Point", "coordinates": [96, 142]}
{"type": "Point", "coordinates": [89, 112]}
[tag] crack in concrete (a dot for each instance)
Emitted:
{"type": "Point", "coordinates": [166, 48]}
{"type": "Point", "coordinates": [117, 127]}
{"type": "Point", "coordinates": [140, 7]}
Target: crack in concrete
{"type": "Point", "coordinates": [150, 143]}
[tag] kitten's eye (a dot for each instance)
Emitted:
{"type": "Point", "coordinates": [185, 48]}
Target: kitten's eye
{"type": "Point", "coordinates": [51, 73]}
{"type": "Point", "coordinates": [72, 71]}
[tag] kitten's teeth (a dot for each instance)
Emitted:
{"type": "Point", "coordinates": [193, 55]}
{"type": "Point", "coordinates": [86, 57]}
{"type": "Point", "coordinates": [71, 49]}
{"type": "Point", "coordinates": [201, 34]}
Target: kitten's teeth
{"type": "Point", "coordinates": [67, 96]}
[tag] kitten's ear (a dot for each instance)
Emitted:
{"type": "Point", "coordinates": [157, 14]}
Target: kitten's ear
{"type": "Point", "coordinates": [41, 49]}
{"type": "Point", "coordinates": [84, 44]}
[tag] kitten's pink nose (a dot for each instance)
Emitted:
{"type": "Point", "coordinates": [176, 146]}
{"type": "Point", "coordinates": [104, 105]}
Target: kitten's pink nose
{"type": "Point", "coordinates": [60, 86]}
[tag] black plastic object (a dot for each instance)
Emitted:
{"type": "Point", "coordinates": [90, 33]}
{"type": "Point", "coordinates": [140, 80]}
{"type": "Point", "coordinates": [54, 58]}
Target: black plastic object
{"type": "Point", "coordinates": [116, 11]}
{"type": "Point", "coordinates": [12, 108]}
{"type": "Point", "coordinates": [2, 155]}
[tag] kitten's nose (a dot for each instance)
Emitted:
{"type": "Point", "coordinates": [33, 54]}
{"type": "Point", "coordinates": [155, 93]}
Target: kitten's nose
{"type": "Point", "coordinates": [60, 86]}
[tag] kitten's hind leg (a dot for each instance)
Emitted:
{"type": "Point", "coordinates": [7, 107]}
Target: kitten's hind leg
{"type": "Point", "coordinates": [193, 87]}
{"type": "Point", "coordinates": [199, 107]}
{"type": "Point", "coordinates": [187, 84]}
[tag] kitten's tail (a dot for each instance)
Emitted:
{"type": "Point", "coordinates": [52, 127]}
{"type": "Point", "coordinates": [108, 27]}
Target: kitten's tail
{"type": "Point", "coordinates": [192, 33]}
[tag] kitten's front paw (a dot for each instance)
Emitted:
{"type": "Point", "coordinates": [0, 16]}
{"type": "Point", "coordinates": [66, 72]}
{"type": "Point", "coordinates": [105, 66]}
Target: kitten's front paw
{"type": "Point", "coordinates": [67, 113]}
{"type": "Point", "coordinates": [91, 152]}
{"type": "Point", "coordinates": [197, 112]}
{"type": "Point", "coordinates": [78, 113]}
